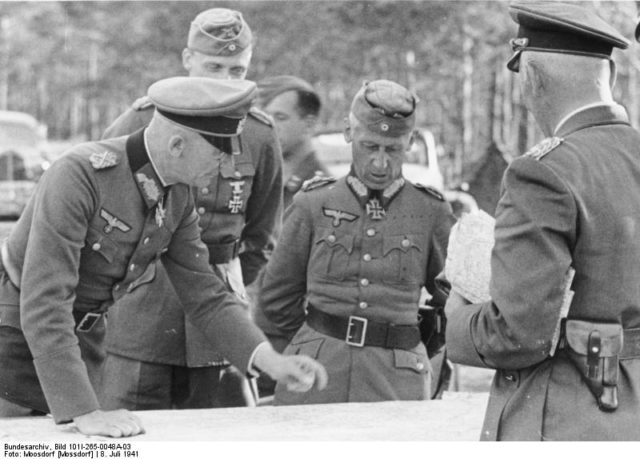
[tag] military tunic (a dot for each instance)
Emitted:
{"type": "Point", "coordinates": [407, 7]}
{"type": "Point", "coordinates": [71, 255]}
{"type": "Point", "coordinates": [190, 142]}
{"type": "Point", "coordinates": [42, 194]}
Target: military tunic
{"type": "Point", "coordinates": [92, 235]}
{"type": "Point", "coordinates": [574, 203]}
{"type": "Point", "coordinates": [344, 261]}
{"type": "Point", "coordinates": [238, 215]}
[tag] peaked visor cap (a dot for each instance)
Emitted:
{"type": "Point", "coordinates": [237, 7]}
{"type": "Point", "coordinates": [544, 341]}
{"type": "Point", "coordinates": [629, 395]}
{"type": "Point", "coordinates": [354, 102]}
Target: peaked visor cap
{"type": "Point", "coordinates": [385, 108]}
{"type": "Point", "coordinates": [561, 27]}
{"type": "Point", "coordinates": [219, 32]}
{"type": "Point", "coordinates": [209, 106]}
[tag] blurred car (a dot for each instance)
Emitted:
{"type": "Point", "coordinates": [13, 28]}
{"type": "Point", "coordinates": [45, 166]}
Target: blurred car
{"type": "Point", "coordinates": [23, 159]}
{"type": "Point", "coordinates": [420, 164]}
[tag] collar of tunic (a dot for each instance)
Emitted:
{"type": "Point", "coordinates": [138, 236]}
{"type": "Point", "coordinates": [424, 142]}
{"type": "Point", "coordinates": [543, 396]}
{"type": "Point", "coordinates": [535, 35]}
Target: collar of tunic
{"type": "Point", "coordinates": [144, 173]}
{"type": "Point", "coordinates": [592, 115]}
{"type": "Point", "coordinates": [363, 194]}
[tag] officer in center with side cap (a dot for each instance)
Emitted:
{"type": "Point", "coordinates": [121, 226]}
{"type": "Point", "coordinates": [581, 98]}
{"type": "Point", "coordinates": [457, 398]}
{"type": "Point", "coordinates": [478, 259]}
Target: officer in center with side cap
{"type": "Point", "coordinates": [345, 278]}
{"type": "Point", "coordinates": [562, 328]}
{"type": "Point", "coordinates": [240, 210]}
{"type": "Point", "coordinates": [102, 218]}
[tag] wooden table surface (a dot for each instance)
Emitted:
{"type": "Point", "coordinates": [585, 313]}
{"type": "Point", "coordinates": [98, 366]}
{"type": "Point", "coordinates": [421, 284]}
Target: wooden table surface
{"type": "Point", "coordinates": [458, 417]}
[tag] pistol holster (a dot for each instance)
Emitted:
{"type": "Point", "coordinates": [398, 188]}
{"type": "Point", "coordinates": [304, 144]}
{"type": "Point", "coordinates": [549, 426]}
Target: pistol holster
{"type": "Point", "coordinates": [594, 348]}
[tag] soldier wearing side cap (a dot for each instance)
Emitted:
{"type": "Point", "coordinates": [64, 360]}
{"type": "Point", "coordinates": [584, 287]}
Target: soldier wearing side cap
{"type": "Point", "coordinates": [345, 278]}
{"type": "Point", "coordinates": [568, 364]}
{"type": "Point", "coordinates": [103, 218]}
{"type": "Point", "coordinates": [239, 212]}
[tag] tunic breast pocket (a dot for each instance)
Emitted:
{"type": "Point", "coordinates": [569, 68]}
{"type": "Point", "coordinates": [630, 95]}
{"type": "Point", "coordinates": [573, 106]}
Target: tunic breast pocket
{"type": "Point", "coordinates": [404, 258]}
{"type": "Point", "coordinates": [234, 188]}
{"type": "Point", "coordinates": [101, 247]}
{"type": "Point", "coordinates": [332, 254]}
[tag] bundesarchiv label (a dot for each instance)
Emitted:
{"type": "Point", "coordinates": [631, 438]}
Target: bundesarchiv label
{"type": "Point", "coordinates": [91, 450]}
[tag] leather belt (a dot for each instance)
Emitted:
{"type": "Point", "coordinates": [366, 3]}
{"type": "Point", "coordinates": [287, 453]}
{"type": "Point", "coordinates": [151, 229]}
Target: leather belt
{"type": "Point", "coordinates": [630, 344]}
{"type": "Point", "coordinates": [359, 331]}
{"type": "Point", "coordinates": [224, 252]}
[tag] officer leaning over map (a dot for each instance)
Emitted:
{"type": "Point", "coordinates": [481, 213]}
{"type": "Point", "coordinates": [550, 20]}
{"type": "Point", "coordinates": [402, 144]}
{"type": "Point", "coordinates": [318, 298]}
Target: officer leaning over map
{"type": "Point", "coordinates": [239, 209]}
{"type": "Point", "coordinates": [102, 218]}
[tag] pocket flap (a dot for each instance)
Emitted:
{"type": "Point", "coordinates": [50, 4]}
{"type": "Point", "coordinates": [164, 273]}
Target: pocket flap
{"type": "Point", "coordinates": [411, 360]}
{"type": "Point", "coordinates": [332, 239]}
{"type": "Point", "coordinates": [578, 331]}
{"type": "Point", "coordinates": [402, 242]}
{"type": "Point", "coordinates": [98, 242]}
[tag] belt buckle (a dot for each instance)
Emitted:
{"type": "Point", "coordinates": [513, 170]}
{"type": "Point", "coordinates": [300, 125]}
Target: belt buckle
{"type": "Point", "coordinates": [357, 327]}
{"type": "Point", "coordinates": [88, 321]}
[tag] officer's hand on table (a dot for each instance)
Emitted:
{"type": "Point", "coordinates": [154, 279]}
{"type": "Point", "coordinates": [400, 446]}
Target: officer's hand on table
{"type": "Point", "coordinates": [118, 423]}
{"type": "Point", "coordinates": [454, 302]}
{"type": "Point", "coordinates": [298, 372]}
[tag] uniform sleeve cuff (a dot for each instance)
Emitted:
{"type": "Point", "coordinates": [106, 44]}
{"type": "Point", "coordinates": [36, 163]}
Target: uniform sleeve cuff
{"type": "Point", "coordinates": [459, 336]}
{"type": "Point", "coordinates": [252, 370]}
{"type": "Point", "coordinates": [65, 383]}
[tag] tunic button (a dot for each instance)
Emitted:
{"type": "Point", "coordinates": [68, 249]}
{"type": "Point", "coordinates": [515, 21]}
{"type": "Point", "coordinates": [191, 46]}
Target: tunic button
{"type": "Point", "coordinates": [201, 210]}
{"type": "Point", "coordinates": [406, 242]}
{"type": "Point", "coordinates": [146, 240]}
{"type": "Point", "coordinates": [371, 232]}
{"type": "Point", "coordinates": [132, 267]}
{"type": "Point", "coordinates": [205, 190]}
{"type": "Point", "coordinates": [420, 366]}
{"type": "Point", "coordinates": [117, 287]}
{"type": "Point", "coordinates": [96, 246]}
{"type": "Point", "coordinates": [364, 282]}
{"type": "Point", "coordinates": [331, 238]}
{"type": "Point", "coordinates": [363, 305]}
{"type": "Point", "coordinates": [366, 257]}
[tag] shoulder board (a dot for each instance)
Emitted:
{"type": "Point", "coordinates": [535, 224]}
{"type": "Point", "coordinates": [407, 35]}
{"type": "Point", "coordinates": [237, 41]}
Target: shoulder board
{"type": "Point", "coordinates": [429, 190]}
{"type": "Point", "coordinates": [541, 149]}
{"type": "Point", "coordinates": [261, 116]}
{"type": "Point", "coordinates": [317, 182]}
{"type": "Point", "coordinates": [142, 103]}
{"type": "Point", "coordinates": [103, 159]}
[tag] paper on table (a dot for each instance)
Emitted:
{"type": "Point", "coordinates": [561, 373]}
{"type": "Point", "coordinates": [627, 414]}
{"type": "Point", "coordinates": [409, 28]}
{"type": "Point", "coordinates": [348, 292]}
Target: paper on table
{"type": "Point", "coordinates": [468, 265]}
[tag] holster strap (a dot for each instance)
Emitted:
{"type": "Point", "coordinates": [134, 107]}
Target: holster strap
{"type": "Point", "coordinates": [223, 252]}
{"type": "Point", "coordinates": [359, 331]}
{"type": "Point", "coordinates": [631, 344]}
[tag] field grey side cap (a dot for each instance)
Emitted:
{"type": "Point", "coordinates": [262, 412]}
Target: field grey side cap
{"type": "Point", "coordinates": [219, 32]}
{"type": "Point", "coordinates": [385, 108]}
{"type": "Point", "coordinates": [271, 87]}
{"type": "Point", "coordinates": [561, 27]}
{"type": "Point", "coordinates": [206, 105]}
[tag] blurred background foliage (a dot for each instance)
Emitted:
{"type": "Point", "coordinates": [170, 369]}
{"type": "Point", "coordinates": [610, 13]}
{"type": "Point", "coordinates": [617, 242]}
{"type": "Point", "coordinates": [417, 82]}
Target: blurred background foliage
{"type": "Point", "coordinates": [77, 65]}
